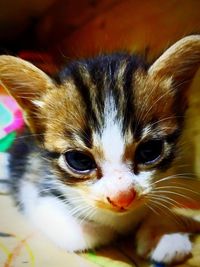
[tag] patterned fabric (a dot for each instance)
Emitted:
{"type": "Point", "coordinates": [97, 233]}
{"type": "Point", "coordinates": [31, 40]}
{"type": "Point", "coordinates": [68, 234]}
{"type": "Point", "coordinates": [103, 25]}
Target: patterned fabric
{"type": "Point", "coordinates": [11, 121]}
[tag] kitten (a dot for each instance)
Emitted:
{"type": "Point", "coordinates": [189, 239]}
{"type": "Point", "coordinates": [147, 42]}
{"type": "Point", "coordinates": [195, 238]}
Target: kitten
{"type": "Point", "coordinates": [102, 145]}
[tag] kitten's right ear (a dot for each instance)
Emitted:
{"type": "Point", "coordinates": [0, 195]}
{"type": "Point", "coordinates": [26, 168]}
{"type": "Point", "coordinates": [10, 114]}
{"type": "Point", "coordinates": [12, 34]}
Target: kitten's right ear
{"type": "Point", "coordinates": [180, 61]}
{"type": "Point", "coordinates": [25, 82]}
{"type": "Point", "coordinates": [178, 64]}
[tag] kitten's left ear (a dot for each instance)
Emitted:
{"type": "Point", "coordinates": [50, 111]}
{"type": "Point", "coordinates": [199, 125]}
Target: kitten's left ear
{"type": "Point", "coordinates": [179, 62]}
{"type": "Point", "coordinates": [26, 83]}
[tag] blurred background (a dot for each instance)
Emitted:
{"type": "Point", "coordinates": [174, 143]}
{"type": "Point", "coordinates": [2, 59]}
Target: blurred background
{"type": "Point", "coordinates": [50, 32]}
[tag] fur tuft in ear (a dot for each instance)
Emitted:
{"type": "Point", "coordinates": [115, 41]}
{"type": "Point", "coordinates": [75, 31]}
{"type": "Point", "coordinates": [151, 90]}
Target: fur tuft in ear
{"type": "Point", "coordinates": [26, 83]}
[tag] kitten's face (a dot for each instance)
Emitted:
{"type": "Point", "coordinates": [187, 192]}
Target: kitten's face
{"type": "Point", "coordinates": [111, 123]}
{"type": "Point", "coordinates": [113, 129]}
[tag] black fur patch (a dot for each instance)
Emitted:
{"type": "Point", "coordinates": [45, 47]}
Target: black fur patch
{"type": "Point", "coordinates": [103, 72]}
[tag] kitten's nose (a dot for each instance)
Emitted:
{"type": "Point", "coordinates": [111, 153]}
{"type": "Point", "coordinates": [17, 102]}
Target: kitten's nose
{"type": "Point", "coordinates": [123, 199]}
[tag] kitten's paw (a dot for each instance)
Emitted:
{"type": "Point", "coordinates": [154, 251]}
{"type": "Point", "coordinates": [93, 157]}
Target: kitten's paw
{"type": "Point", "coordinates": [172, 248]}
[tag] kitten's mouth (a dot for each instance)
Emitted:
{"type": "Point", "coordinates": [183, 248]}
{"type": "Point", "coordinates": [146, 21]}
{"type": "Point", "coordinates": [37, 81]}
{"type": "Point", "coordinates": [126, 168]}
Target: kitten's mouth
{"type": "Point", "coordinates": [116, 207]}
{"type": "Point", "coordinates": [120, 210]}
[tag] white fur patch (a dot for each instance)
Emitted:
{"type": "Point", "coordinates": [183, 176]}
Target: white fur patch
{"type": "Point", "coordinates": [116, 178]}
{"type": "Point", "coordinates": [53, 218]}
{"type": "Point", "coordinates": [112, 140]}
{"type": "Point", "coordinates": [4, 173]}
{"type": "Point", "coordinates": [143, 180]}
{"type": "Point", "coordinates": [117, 175]}
{"type": "Point", "coordinates": [4, 159]}
{"type": "Point", "coordinates": [172, 248]}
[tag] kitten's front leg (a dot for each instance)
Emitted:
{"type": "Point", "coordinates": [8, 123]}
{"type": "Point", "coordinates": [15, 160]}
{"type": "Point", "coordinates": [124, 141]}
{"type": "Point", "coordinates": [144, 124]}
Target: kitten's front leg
{"type": "Point", "coordinates": [68, 232]}
{"type": "Point", "coordinates": [53, 218]}
{"type": "Point", "coordinates": [170, 248]}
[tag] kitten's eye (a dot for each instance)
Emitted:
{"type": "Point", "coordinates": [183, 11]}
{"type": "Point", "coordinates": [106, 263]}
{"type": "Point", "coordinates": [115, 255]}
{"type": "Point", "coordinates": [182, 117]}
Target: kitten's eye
{"type": "Point", "coordinates": [149, 151]}
{"type": "Point", "coordinates": [79, 161]}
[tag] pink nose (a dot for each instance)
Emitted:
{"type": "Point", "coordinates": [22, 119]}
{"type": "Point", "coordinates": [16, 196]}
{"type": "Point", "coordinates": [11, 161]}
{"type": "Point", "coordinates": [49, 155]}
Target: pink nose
{"type": "Point", "coordinates": [123, 199]}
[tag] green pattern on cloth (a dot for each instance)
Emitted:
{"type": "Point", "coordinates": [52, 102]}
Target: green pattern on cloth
{"type": "Point", "coordinates": [103, 261]}
{"type": "Point", "coordinates": [7, 141]}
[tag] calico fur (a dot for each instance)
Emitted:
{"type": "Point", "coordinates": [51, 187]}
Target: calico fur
{"type": "Point", "coordinates": [111, 108]}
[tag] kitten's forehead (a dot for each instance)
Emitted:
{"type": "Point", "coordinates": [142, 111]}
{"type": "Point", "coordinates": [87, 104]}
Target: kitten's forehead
{"type": "Point", "coordinates": [110, 139]}
{"type": "Point", "coordinates": [98, 79]}
{"type": "Point", "coordinates": [109, 100]}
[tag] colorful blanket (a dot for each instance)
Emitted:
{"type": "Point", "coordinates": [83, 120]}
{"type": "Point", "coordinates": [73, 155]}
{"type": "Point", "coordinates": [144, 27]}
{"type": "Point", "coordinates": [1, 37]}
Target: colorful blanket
{"type": "Point", "coordinates": [11, 121]}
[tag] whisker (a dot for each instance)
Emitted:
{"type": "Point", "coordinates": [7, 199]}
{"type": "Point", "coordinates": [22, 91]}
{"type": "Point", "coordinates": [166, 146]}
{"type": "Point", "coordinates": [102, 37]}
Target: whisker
{"type": "Point", "coordinates": [154, 104]}
{"type": "Point", "coordinates": [167, 118]}
{"type": "Point", "coordinates": [174, 193]}
{"type": "Point", "coordinates": [175, 176]}
{"type": "Point", "coordinates": [178, 187]}
{"type": "Point", "coordinates": [165, 199]}
{"type": "Point", "coordinates": [151, 208]}
{"type": "Point", "coordinates": [90, 214]}
{"type": "Point", "coordinates": [166, 211]}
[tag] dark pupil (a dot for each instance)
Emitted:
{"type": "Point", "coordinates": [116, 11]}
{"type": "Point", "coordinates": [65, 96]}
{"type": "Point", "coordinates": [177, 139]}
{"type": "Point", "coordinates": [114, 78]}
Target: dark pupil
{"type": "Point", "coordinates": [79, 161]}
{"type": "Point", "coordinates": [149, 151]}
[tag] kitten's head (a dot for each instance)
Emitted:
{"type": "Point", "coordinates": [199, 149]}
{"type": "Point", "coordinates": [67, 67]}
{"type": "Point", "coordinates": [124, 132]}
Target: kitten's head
{"type": "Point", "coordinates": [111, 122]}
